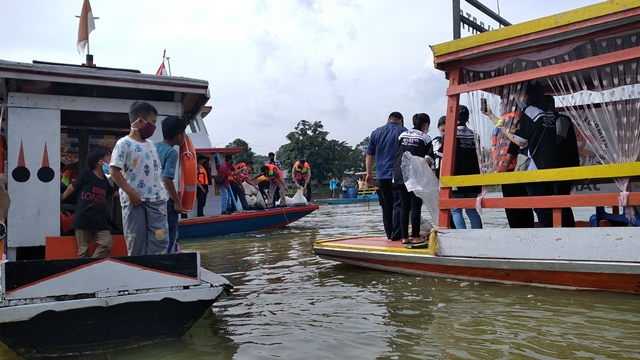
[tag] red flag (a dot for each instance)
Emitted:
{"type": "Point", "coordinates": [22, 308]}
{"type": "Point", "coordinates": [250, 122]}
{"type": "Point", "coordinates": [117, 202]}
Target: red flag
{"type": "Point", "coordinates": [161, 70]}
{"type": "Point", "coordinates": [87, 25]}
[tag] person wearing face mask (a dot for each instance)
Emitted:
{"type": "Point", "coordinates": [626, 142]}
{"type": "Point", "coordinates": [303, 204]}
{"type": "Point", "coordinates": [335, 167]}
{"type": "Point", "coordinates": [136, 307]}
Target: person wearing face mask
{"type": "Point", "coordinates": [418, 143]}
{"type": "Point", "coordinates": [517, 218]}
{"type": "Point", "coordinates": [135, 168]}
{"type": "Point", "coordinates": [90, 218]}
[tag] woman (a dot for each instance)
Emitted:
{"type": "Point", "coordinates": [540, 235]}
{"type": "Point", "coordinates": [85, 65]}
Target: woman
{"type": "Point", "coordinates": [466, 163]}
{"type": "Point", "coordinates": [418, 143]}
{"type": "Point", "coordinates": [536, 138]}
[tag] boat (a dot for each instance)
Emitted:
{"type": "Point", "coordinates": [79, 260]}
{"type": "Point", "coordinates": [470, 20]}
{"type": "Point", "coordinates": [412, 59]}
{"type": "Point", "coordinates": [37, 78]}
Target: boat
{"type": "Point", "coordinates": [208, 226]}
{"type": "Point", "coordinates": [365, 194]}
{"type": "Point", "coordinates": [242, 222]}
{"type": "Point", "coordinates": [577, 55]}
{"type": "Point", "coordinates": [51, 302]}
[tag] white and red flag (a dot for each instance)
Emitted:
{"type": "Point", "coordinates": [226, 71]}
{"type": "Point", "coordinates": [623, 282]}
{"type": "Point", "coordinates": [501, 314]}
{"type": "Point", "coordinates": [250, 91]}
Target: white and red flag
{"type": "Point", "coordinates": [162, 71]}
{"type": "Point", "coordinates": [87, 25]}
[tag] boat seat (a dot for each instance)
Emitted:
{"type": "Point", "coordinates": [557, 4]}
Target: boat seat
{"type": "Point", "coordinates": [614, 219]}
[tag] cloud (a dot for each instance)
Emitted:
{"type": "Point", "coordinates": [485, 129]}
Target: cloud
{"type": "Point", "coordinates": [265, 45]}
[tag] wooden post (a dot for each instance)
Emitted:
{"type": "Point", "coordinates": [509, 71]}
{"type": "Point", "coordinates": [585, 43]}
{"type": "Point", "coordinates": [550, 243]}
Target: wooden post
{"type": "Point", "coordinates": [557, 217]}
{"type": "Point", "coordinates": [449, 149]}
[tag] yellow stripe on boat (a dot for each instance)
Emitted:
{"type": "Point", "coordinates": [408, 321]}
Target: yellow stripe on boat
{"type": "Point", "coordinates": [570, 173]}
{"type": "Point", "coordinates": [533, 26]}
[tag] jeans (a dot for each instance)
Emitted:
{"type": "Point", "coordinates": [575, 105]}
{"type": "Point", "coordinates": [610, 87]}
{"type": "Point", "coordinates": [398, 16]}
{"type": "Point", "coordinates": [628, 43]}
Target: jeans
{"type": "Point", "coordinates": [545, 216]}
{"type": "Point", "coordinates": [390, 215]}
{"type": "Point", "coordinates": [224, 193]}
{"type": "Point", "coordinates": [238, 192]}
{"type": "Point", "coordinates": [172, 220]}
{"type": "Point", "coordinates": [474, 217]}
{"type": "Point", "coordinates": [202, 200]}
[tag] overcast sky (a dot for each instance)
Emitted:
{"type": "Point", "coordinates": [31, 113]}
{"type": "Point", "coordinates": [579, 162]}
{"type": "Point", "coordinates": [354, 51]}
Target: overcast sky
{"type": "Point", "coordinates": [346, 63]}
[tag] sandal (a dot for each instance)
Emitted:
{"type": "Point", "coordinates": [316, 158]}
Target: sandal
{"type": "Point", "coordinates": [406, 241]}
{"type": "Point", "coordinates": [418, 241]}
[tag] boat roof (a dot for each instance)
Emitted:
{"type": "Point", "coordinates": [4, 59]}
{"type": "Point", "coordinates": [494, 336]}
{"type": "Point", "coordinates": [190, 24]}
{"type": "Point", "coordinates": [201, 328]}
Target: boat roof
{"type": "Point", "coordinates": [49, 78]}
{"type": "Point", "coordinates": [539, 32]}
{"type": "Point", "coordinates": [233, 150]}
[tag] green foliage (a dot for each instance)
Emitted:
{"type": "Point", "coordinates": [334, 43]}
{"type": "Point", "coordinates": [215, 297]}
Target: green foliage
{"type": "Point", "coordinates": [246, 155]}
{"type": "Point", "coordinates": [326, 157]}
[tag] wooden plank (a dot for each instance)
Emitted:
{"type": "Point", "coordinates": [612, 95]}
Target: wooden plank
{"type": "Point", "coordinates": [588, 16]}
{"type": "Point", "coordinates": [618, 244]}
{"type": "Point", "coordinates": [446, 165]}
{"type": "Point", "coordinates": [571, 173]}
{"type": "Point", "coordinates": [529, 202]}
{"type": "Point", "coordinates": [552, 70]}
{"type": "Point", "coordinates": [77, 103]}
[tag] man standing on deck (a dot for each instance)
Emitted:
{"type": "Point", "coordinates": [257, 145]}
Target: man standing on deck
{"type": "Point", "coordinates": [272, 161]}
{"type": "Point", "coordinates": [382, 146]}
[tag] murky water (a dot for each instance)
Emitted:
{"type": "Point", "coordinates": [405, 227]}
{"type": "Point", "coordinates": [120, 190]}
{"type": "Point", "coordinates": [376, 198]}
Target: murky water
{"type": "Point", "coordinates": [289, 304]}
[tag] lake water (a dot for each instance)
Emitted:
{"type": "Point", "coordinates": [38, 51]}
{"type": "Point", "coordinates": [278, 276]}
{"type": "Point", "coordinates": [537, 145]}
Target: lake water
{"type": "Point", "coordinates": [289, 304]}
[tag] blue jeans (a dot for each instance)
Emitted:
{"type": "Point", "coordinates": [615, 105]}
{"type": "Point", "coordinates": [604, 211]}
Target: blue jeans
{"type": "Point", "coordinates": [224, 193]}
{"type": "Point", "coordinates": [172, 220]}
{"type": "Point", "coordinates": [458, 219]}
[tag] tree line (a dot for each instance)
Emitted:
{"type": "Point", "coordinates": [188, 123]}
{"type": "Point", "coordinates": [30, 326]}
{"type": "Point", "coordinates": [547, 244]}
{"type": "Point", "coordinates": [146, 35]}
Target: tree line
{"type": "Point", "coordinates": [327, 157]}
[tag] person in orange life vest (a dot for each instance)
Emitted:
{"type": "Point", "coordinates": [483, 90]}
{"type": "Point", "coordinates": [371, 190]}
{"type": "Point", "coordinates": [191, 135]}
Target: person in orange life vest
{"type": "Point", "coordinates": [238, 176]}
{"type": "Point", "coordinates": [226, 171]}
{"type": "Point", "coordinates": [276, 181]}
{"type": "Point", "coordinates": [502, 161]}
{"type": "Point", "coordinates": [203, 185]}
{"type": "Point", "coordinates": [301, 176]}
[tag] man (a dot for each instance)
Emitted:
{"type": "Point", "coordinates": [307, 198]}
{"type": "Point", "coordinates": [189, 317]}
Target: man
{"type": "Point", "coordinates": [237, 177]}
{"type": "Point", "coordinates": [568, 156]}
{"type": "Point", "coordinates": [276, 181]}
{"type": "Point", "coordinates": [203, 185]}
{"type": "Point", "coordinates": [301, 175]}
{"type": "Point", "coordinates": [272, 161]}
{"type": "Point", "coordinates": [382, 147]}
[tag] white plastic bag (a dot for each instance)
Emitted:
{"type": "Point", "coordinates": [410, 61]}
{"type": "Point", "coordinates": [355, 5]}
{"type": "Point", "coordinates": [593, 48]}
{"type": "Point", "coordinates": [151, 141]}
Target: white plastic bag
{"type": "Point", "coordinates": [419, 178]}
{"type": "Point", "coordinates": [298, 198]}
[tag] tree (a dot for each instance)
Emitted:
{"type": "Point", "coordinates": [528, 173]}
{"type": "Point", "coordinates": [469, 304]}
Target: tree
{"type": "Point", "coordinates": [246, 154]}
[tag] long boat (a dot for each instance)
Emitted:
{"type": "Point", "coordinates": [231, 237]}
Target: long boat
{"type": "Point", "coordinates": [207, 227]}
{"type": "Point", "coordinates": [51, 302]}
{"type": "Point", "coordinates": [588, 58]}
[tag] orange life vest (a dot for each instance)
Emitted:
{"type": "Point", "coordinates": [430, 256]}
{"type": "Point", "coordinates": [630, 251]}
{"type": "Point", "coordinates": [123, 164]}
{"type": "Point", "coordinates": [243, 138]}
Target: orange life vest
{"type": "Point", "coordinates": [272, 172]}
{"type": "Point", "coordinates": [500, 144]}
{"type": "Point", "coordinates": [242, 175]}
{"type": "Point", "coordinates": [202, 175]}
{"type": "Point", "coordinates": [301, 174]}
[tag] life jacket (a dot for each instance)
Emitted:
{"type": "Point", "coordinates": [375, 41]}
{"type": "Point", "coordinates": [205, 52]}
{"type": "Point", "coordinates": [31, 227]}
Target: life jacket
{"type": "Point", "coordinates": [272, 172]}
{"type": "Point", "coordinates": [301, 174]}
{"type": "Point", "coordinates": [202, 175]}
{"type": "Point", "coordinates": [242, 175]}
{"type": "Point", "coordinates": [500, 144]}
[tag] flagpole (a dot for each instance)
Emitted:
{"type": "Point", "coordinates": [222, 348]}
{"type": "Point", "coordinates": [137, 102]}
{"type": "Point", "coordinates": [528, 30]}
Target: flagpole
{"type": "Point", "coordinates": [169, 63]}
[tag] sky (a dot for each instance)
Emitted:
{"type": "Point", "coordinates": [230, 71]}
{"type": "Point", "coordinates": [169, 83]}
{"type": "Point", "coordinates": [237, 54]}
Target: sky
{"type": "Point", "coordinates": [269, 64]}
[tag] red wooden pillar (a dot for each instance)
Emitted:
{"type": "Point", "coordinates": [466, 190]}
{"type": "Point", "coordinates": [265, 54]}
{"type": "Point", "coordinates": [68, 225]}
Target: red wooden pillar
{"type": "Point", "coordinates": [557, 217]}
{"type": "Point", "coordinates": [448, 152]}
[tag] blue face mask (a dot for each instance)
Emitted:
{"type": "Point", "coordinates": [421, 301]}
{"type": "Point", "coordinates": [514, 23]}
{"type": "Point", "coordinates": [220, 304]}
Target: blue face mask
{"type": "Point", "coordinates": [521, 104]}
{"type": "Point", "coordinates": [105, 168]}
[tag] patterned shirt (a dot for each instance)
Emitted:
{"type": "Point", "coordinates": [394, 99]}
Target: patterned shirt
{"type": "Point", "coordinates": [141, 169]}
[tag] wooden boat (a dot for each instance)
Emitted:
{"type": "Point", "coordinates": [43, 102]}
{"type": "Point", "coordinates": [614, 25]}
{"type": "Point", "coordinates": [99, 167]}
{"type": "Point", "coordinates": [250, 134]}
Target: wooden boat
{"type": "Point", "coordinates": [51, 303]}
{"type": "Point", "coordinates": [247, 221]}
{"type": "Point", "coordinates": [603, 258]}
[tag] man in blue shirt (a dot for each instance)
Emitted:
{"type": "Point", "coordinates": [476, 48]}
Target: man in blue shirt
{"type": "Point", "coordinates": [382, 146]}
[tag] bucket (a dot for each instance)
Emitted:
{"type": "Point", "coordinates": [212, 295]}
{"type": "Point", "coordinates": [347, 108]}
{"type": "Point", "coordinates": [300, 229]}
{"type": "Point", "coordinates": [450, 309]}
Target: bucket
{"type": "Point", "coordinates": [352, 191]}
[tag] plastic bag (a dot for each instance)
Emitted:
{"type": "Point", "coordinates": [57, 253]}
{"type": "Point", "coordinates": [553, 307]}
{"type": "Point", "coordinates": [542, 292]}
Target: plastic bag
{"type": "Point", "coordinates": [298, 198]}
{"type": "Point", "coordinates": [419, 178]}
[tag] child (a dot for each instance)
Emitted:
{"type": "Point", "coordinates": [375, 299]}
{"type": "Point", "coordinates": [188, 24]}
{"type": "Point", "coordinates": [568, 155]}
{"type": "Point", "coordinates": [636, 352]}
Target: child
{"type": "Point", "coordinates": [135, 168]}
{"type": "Point", "coordinates": [90, 219]}
{"type": "Point", "coordinates": [173, 133]}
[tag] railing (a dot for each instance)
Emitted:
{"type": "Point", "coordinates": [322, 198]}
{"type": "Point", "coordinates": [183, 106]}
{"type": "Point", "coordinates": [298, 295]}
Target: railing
{"type": "Point", "coordinates": [556, 202]}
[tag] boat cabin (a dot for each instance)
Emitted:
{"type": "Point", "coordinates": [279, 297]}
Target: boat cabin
{"type": "Point", "coordinates": [51, 115]}
{"type": "Point", "coordinates": [588, 59]}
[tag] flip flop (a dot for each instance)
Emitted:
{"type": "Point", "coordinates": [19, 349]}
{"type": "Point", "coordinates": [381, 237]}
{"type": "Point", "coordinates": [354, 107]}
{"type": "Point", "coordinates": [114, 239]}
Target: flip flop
{"type": "Point", "coordinates": [406, 241]}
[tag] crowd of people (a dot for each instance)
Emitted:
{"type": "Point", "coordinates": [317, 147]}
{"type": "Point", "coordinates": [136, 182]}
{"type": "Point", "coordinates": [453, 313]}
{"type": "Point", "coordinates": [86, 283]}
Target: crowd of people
{"type": "Point", "coordinates": [534, 129]}
{"type": "Point", "coordinates": [144, 173]}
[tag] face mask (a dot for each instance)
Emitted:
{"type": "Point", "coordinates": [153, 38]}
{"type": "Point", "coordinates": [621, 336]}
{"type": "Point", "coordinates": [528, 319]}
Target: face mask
{"type": "Point", "coordinates": [521, 104]}
{"type": "Point", "coordinates": [147, 131]}
{"type": "Point", "coordinates": [105, 168]}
